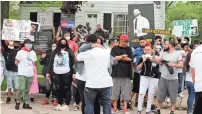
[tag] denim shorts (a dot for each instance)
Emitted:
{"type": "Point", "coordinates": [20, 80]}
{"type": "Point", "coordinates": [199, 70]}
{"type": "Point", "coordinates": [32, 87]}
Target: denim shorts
{"type": "Point", "coordinates": [12, 80]}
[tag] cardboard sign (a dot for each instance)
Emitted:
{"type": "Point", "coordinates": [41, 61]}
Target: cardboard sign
{"type": "Point", "coordinates": [157, 31]}
{"type": "Point", "coordinates": [185, 28]}
{"type": "Point", "coordinates": [19, 30]}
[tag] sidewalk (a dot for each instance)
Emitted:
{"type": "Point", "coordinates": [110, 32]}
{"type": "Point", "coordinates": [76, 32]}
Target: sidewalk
{"type": "Point", "coordinates": [181, 103]}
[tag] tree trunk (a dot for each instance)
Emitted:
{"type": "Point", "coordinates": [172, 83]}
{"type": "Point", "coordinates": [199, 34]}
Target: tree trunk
{"type": "Point", "coordinates": [4, 11]}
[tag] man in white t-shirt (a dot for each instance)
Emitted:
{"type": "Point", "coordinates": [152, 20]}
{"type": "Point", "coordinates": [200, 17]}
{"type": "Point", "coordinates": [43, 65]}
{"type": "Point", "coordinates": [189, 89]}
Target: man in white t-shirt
{"type": "Point", "coordinates": [25, 60]}
{"type": "Point", "coordinates": [195, 63]}
{"type": "Point", "coordinates": [98, 79]}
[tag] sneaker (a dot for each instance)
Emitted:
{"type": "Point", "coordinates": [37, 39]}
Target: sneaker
{"type": "Point", "coordinates": [153, 108]}
{"type": "Point", "coordinates": [158, 112]}
{"type": "Point", "coordinates": [126, 111]}
{"type": "Point", "coordinates": [136, 104]}
{"type": "Point", "coordinates": [17, 106]}
{"type": "Point", "coordinates": [149, 113]}
{"type": "Point", "coordinates": [32, 99]}
{"type": "Point", "coordinates": [130, 107]}
{"type": "Point", "coordinates": [8, 100]}
{"type": "Point", "coordinates": [58, 107]}
{"type": "Point", "coordinates": [114, 111]}
{"type": "Point", "coordinates": [76, 108]}
{"type": "Point", "coordinates": [172, 112]}
{"type": "Point", "coordinates": [55, 102]}
{"type": "Point", "coordinates": [168, 100]}
{"type": "Point", "coordinates": [181, 95]}
{"type": "Point", "coordinates": [1, 102]}
{"type": "Point", "coordinates": [45, 102]}
{"type": "Point", "coordinates": [26, 106]}
{"type": "Point", "coordinates": [139, 112]}
{"type": "Point", "coordinates": [65, 107]}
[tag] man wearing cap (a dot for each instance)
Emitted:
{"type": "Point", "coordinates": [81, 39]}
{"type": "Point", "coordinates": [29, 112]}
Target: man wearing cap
{"type": "Point", "coordinates": [122, 73]}
{"type": "Point", "coordinates": [25, 60]}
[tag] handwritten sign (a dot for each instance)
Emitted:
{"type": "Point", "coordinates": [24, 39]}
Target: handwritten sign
{"type": "Point", "coordinates": [157, 31]}
{"type": "Point", "coordinates": [185, 28]}
{"type": "Point", "coordinates": [9, 33]}
{"type": "Point", "coordinates": [45, 18]}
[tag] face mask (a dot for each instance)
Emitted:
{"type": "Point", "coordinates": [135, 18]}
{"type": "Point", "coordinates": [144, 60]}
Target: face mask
{"type": "Point", "coordinates": [67, 38]}
{"type": "Point", "coordinates": [158, 50]}
{"type": "Point", "coordinates": [53, 48]}
{"type": "Point", "coordinates": [29, 46]}
{"type": "Point", "coordinates": [63, 45]}
{"type": "Point", "coordinates": [16, 47]}
{"type": "Point", "coordinates": [166, 49]}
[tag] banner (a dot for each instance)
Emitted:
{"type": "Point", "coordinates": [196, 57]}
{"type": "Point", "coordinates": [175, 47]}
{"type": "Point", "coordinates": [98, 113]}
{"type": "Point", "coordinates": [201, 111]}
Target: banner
{"type": "Point", "coordinates": [183, 28]}
{"type": "Point", "coordinates": [45, 18]}
{"type": "Point", "coordinates": [140, 16]}
{"type": "Point", "coordinates": [157, 31]}
{"type": "Point", "coordinates": [67, 22]}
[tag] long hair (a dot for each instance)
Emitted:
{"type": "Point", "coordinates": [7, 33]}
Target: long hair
{"type": "Point", "coordinates": [58, 48]}
{"type": "Point", "coordinates": [188, 58]}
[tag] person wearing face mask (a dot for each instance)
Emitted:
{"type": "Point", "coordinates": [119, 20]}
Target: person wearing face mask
{"type": "Point", "coordinates": [61, 68]}
{"type": "Point", "coordinates": [72, 44]}
{"type": "Point", "coordinates": [149, 78]}
{"type": "Point", "coordinates": [12, 77]}
{"type": "Point", "coordinates": [26, 61]}
{"type": "Point", "coordinates": [168, 83]}
{"type": "Point", "coordinates": [45, 59]}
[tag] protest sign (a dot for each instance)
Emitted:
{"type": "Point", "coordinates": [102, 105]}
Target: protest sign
{"type": "Point", "coordinates": [19, 30]}
{"type": "Point", "coordinates": [185, 28]}
{"type": "Point", "coordinates": [67, 21]}
{"type": "Point", "coordinates": [45, 18]}
{"type": "Point", "coordinates": [140, 16]}
{"type": "Point", "coordinates": [43, 41]}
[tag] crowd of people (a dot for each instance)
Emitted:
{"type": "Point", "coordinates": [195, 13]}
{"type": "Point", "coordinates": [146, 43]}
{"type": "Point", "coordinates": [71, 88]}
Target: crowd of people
{"type": "Point", "coordinates": [98, 72]}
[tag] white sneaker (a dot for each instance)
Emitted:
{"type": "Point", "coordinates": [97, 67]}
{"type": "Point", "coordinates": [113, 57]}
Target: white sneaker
{"type": "Point", "coordinates": [65, 107]}
{"type": "Point", "coordinates": [181, 95]}
{"type": "Point", "coordinates": [58, 107]}
{"type": "Point", "coordinates": [168, 100]}
{"type": "Point", "coordinates": [1, 102]}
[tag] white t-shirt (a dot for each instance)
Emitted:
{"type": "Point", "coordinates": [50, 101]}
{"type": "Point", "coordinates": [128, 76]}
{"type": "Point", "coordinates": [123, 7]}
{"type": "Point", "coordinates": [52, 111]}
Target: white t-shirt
{"type": "Point", "coordinates": [81, 77]}
{"type": "Point", "coordinates": [97, 62]}
{"type": "Point", "coordinates": [196, 63]}
{"type": "Point", "coordinates": [26, 66]}
{"type": "Point", "coordinates": [61, 63]}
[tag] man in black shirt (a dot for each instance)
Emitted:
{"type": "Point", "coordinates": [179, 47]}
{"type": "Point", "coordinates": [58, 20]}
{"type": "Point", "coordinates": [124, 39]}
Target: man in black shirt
{"type": "Point", "coordinates": [122, 73]}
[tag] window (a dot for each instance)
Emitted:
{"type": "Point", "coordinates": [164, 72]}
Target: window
{"type": "Point", "coordinates": [120, 25]}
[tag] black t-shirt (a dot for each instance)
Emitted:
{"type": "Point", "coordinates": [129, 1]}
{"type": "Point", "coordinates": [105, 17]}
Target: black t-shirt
{"type": "Point", "coordinates": [123, 68]}
{"type": "Point", "coordinates": [149, 69]}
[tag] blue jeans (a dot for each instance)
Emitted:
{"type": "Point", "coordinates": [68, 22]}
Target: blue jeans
{"type": "Point", "coordinates": [191, 97]}
{"type": "Point", "coordinates": [181, 78]}
{"type": "Point", "coordinates": [90, 96]}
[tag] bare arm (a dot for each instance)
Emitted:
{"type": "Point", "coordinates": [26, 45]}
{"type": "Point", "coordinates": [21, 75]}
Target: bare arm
{"type": "Point", "coordinates": [17, 62]}
{"type": "Point", "coordinates": [138, 67]}
{"type": "Point", "coordinates": [193, 74]}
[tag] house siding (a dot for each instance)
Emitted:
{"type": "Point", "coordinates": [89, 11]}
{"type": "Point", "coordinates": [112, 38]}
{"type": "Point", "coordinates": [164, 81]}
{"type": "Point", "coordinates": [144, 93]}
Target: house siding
{"type": "Point", "coordinates": [100, 8]}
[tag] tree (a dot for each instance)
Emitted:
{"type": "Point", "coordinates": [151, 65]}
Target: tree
{"type": "Point", "coordinates": [14, 10]}
{"type": "Point", "coordinates": [5, 11]}
{"type": "Point", "coordinates": [185, 10]}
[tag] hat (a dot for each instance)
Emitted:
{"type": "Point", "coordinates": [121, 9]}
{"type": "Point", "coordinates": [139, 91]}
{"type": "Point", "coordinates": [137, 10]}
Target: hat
{"type": "Point", "coordinates": [27, 41]}
{"type": "Point", "coordinates": [147, 44]}
{"type": "Point", "coordinates": [124, 37]}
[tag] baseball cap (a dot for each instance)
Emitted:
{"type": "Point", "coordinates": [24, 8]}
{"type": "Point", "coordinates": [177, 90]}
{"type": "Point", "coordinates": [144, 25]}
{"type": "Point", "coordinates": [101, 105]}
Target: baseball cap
{"type": "Point", "coordinates": [27, 41]}
{"type": "Point", "coordinates": [124, 37]}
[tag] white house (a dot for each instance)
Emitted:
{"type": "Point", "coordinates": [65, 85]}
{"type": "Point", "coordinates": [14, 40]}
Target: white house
{"type": "Point", "coordinates": [99, 12]}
